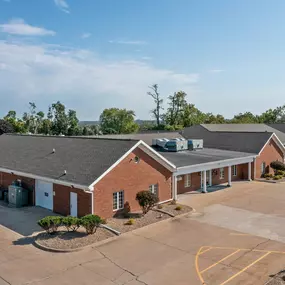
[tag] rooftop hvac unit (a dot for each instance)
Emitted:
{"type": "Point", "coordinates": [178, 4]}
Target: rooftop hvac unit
{"type": "Point", "coordinates": [195, 144]}
{"type": "Point", "coordinates": [159, 142]}
{"type": "Point", "coordinates": [176, 145]}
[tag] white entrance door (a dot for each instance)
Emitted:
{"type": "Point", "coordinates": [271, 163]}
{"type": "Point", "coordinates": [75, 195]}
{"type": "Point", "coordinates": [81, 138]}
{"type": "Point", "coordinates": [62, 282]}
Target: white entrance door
{"type": "Point", "coordinates": [44, 194]}
{"type": "Point", "coordinates": [73, 204]}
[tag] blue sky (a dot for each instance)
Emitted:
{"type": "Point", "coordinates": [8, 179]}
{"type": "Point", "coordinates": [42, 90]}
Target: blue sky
{"type": "Point", "coordinates": [229, 56]}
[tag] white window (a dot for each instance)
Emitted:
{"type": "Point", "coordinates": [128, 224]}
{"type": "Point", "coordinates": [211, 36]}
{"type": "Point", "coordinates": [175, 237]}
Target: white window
{"type": "Point", "coordinates": [153, 188]}
{"type": "Point", "coordinates": [263, 168]}
{"type": "Point", "coordinates": [118, 200]}
{"type": "Point", "coordinates": [234, 170]}
{"type": "Point", "coordinates": [222, 173]}
{"type": "Point", "coordinates": [187, 180]}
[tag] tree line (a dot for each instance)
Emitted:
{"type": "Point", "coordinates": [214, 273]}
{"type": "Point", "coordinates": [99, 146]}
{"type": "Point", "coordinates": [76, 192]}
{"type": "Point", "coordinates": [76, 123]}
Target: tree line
{"type": "Point", "coordinates": [178, 114]}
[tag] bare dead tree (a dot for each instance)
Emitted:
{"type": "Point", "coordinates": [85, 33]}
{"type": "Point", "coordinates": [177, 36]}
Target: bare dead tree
{"type": "Point", "coordinates": [158, 103]}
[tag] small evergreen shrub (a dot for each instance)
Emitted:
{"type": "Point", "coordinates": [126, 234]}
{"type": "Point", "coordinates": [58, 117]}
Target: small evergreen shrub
{"type": "Point", "coordinates": [277, 177]}
{"type": "Point", "coordinates": [103, 221]}
{"type": "Point", "coordinates": [280, 172]}
{"type": "Point", "coordinates": [71, 223]}
{"type": "Point", "coordinates": [147, 200]}
{"type": "Point", "coordinates": [50, 223]}
{"type": "Point", "coordinates": [126, 210]}
{"type": "Point", "coordinates": [277, 165]}
{"type": "Point", "coordinates": [91, 223]}
{"type": "Point", "coordinates": [268, 175]}
{"type": "Point", "coordinates": [178, 208]}
{"type": "Point", "coordinates": [130, 222]}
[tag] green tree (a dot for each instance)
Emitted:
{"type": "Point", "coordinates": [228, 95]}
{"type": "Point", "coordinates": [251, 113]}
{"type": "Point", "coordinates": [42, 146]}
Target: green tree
{"type": "Point", "coordinates": [192, 116]}
{"type": "Point", "coordinates": [6, 127]}
{"type": "Point", "coordinates": [60, 119]}
{"type": "Point", "coordinates": [18, 125]}
{"type": "Point", "coordinates": [118, 121]}
{"type": "Point", "coordinates": [73, 128]}
{"type": "Point", "coordinates": [158, 103]}
{"type": "Point", "coordinates": [245, 118]}
{"type": "Point", "coordinates": [177, 105]}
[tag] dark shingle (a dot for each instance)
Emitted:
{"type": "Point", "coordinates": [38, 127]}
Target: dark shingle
{"type": "Point", "coordinates": [234, 141]}
{"type": "Point", "coordinates": [84, 159]}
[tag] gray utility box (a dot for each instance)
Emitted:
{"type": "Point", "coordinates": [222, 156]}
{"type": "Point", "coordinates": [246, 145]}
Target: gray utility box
{"type": "Point", "coordinates": [18, 196]}
{"type": "Point", "coordinates": [195, 144]}
{"type": "Point", "coordinates": [176, 145]}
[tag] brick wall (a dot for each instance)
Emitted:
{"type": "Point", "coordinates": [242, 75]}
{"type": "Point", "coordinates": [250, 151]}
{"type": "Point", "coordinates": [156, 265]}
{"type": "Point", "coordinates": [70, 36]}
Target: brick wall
{"type": "Point", "coordinates": [242, 174]}
{"type": "Point", "coordinates": [61, 200]}
{"type": "Point", "coordinates": [270, 153]}
{"type": "Point", "coordinates": [6, 179]}
{"type": "Point", "coordinates": [131, 177]}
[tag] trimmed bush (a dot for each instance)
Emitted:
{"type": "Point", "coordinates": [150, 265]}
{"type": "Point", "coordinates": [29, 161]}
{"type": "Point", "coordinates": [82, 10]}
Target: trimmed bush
{"type": "Point", "coordinates": [147, 200]}
{"type": "Point", "coordinates": [277, 177]}
{"type": "Point", "coordinates": [50, 223]}
{"type": "Point", "coordinates": [178, 208]}
{"type": "Point", "coordinates": [268, 175]}
{"type": "Point", "coordinates": [277, 165]}
{"type": "Point", "coordinates": [280, 172]}
{"type": "Point", "coordinates": [103, 221]}
{"type": "Point", "coordinates": [91, 223]}
{"type": "Point", "coordinates": [71, 223]}
{"type": "Point", "coordinates": [126, 210]}
{"type": "Point", "coordinates": [160, 206]}
{"type": "Point", "coordinates": [130, 222]}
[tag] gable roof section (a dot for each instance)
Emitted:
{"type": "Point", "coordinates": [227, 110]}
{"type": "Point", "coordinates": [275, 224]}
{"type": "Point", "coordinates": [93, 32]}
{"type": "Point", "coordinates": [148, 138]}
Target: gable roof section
{"type": "Point", "coordinates": [248, 128]}
{"type": "Point", "coordinates": [84, 159]}
{"type": "Point", "coordinates": [248, 142]}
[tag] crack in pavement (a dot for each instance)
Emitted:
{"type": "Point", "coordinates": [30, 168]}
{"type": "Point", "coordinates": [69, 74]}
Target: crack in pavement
{"type": "Point", "coordinates": [124, 269]}
{"type": "Point", "coordinates": [5, 280]}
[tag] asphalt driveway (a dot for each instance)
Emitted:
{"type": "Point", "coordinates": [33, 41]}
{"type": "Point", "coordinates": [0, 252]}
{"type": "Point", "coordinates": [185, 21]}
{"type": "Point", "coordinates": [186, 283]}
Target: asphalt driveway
{"type": "Point", "coordinates": [188, 250]}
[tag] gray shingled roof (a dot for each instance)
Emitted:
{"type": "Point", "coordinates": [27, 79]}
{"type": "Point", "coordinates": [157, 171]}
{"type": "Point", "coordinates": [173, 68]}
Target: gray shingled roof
{"type": "Point", "coordinates": [248, 128]}
{"type": "Point", "coordinates": [234, 141]}
{"type": "Point", "coordinates": [84, 159]}
{"type": "Point", "coordinates": [187, 158]}
{"type": "Point", "coordinates": [146, 137]}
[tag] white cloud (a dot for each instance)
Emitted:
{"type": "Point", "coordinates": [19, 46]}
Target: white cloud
{"type": "Point", "coordinates": [19, 27]}
{"type": "Point", "coordinates": [86, 35]}
{"type": "Point", "coordinates": [123, 42]}
{"type": "Point", "coordinates": [62, 5]}
{"type": "Point", "coordinates": [216, 70]}
{"type": "Point", "coordinates": [80, 79]}
{"type": "Point", "coordinates": [146, 58]}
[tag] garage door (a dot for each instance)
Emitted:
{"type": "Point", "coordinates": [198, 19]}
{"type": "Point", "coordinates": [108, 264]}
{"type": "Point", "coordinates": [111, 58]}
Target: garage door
{"type": "Point", "coordinates": [44, 194]}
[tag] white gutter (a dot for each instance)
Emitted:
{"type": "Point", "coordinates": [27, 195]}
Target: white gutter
{"type": "Point", "coordinates": [55, 181]}
{"type": "Point", "coordinates": [212, 165]}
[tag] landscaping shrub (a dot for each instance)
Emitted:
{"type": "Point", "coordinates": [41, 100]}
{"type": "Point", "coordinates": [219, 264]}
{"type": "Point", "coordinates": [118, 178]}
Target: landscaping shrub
{"type": "Point", "coordinates": [160, 206]}
{"type": "Point", "coordinates": [178, 208]}
{"type": "Point", "coordinates": [91, 223]}
{"type": "Point", "coordinates": [103, 221]}
{"type": "Point", "coordinates": [280, 172]}
{"type": "Point", "coordinates": [126, 210]}
{"type": "Point", "coordinates": [147, 200]}
{"type": "Point", "coordinates": [130, 222]}
{"type": "Point", "coordinates": [50, 223]}
{"type": "Point", "coordinates": [173, 202]}
{"type": "Point", "coordinates": [268, 175]}
{"type": "Point", "coordinates": [277, 165]}
{"type": "Point", "coordinates": [71, 223]}
{"type": "Point", "coordinates": [277, 177]}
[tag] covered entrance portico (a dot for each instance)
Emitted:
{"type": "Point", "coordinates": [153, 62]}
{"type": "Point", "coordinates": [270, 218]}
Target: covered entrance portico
{"type": "Point", "coordinates": [209, 174]}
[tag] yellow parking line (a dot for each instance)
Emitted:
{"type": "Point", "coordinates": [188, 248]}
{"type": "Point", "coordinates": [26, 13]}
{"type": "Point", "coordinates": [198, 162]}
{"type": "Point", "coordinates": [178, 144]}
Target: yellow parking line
{"type": "Point", "coordinates": [234, 276]}
{"type": "Point", "coordinates": [205, 250]}
{"type": "Point", "coordinates": [220, 261]}
{"type": "Point", "coordinates": [197, 266]}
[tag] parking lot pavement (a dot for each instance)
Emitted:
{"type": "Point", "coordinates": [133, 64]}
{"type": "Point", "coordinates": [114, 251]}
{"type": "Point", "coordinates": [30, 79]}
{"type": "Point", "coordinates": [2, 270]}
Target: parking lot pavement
{"type": "Point", "coordinates": [182, 251]}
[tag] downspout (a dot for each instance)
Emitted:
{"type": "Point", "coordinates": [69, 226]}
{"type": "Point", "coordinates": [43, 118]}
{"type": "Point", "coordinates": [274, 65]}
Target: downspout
{"type": "Point", "coordinates": [92, 202]}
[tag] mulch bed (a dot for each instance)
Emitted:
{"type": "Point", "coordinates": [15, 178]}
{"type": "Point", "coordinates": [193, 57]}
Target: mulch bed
{"type": "Point", "coordinates": [64, 240]}
{"type": "Point", "coordinates": [153, 216]}
{"type": "Point", "coordinates": [277, 279]}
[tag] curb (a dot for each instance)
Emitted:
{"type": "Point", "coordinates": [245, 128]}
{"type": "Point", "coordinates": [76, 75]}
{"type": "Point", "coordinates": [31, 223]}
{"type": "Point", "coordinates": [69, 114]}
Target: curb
{"type": "Point", "coordinates": [102, 242]}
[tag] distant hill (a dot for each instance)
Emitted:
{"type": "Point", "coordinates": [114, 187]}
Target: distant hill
{"type": "Point", "coordinates": [90, 123]}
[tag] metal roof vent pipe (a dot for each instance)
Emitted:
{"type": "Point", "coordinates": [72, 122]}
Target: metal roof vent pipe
{"type": "Point", "coordinates": [65, 172]}
{"type": "Point", "coordinates": [53, 150]}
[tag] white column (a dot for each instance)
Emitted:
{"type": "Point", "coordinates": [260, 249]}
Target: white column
{"type": "Point", "coordinates": [249, 171]}
{"type": "Point", "coordinates": [210, 177]}
{"type": "Point", "coordinates": [229, 176]}
{"type": "Point", "coordinates": [204, 181]}
{"type": "Point", "coordinates": [174, 187]}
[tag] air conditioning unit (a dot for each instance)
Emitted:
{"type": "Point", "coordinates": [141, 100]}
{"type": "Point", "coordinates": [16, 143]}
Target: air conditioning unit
{"type": "Point", "coordinates": [195, 144]}
{"type": "Point", "coordinates": [176, 145]}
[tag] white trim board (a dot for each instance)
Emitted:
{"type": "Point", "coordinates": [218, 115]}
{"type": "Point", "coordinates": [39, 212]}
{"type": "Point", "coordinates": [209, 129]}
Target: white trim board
{"type": "Point", "coordinates": [55, 181]}
{"type": "Point", "coordinates": [151, 152]}
{"type": "Point", "coordinates": [277, 141]}
{"type": "Point", "coordinates": [212, 165]}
